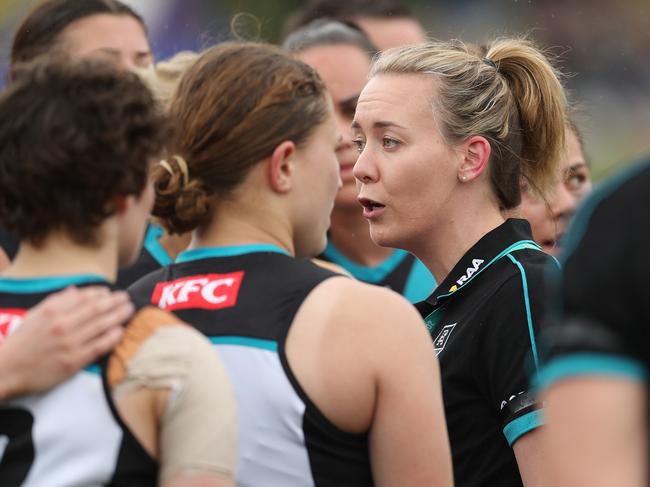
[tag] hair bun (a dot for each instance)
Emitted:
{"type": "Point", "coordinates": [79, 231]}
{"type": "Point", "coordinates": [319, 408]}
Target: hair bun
{"type": "Point", "coordinates": [181, 204]}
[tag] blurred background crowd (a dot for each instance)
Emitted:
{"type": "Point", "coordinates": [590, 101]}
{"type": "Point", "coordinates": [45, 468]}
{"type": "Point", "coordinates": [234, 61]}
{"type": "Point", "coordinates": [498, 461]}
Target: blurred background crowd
{"type": "Point", "coordinates": [602, 44]}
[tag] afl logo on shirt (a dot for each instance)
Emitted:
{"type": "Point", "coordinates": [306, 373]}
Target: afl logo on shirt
{"type": "Point", "coordinates": [9, 321]}
{"type": "Point", "coordinates": [207, 291]}
{"type": "Point", "coordinates": [443, 337]}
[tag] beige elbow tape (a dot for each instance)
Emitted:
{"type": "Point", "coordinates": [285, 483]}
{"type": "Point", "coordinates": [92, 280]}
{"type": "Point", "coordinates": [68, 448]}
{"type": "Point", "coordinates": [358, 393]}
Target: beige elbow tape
{"type": "Point", "coordinates": [199, 425]}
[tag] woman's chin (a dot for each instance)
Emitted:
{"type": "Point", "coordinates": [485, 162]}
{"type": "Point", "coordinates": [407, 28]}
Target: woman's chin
{"type": "Point", "coordinates": [383, 238]}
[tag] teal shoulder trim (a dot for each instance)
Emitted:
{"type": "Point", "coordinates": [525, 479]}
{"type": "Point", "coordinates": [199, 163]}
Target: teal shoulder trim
{"type": "Point", "coordinates": [420, 283]}
{"type": "Point", "coordinates": [231, 251]}
{"type": "Point", "coordinates": [529, 317]}
{"type": "Point", "coordinates": [93, 369]}
{"type": "Point", "coordinates": [152, 244]}
{"type": "Point", "coordinates": [581, 364]}
{"type": "Point", "coordinates": [517, 428]}
{"type": "Point", "coordinates": [372, 275]}
{"type": "Point", "coordinates": [18, 285]}
{"type": "Point", "coordinates": [245, 342]}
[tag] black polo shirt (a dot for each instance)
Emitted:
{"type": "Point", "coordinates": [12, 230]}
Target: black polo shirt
{"type": "Point", "coordinates": [483, 319]}
{"type": "Point", "coordinates": [600, 322]}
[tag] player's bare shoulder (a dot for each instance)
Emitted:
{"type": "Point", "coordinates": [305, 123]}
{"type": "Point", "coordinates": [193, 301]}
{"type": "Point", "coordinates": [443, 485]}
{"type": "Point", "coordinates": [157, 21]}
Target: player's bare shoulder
{"type": "Point", "coordinates": [362, 308]}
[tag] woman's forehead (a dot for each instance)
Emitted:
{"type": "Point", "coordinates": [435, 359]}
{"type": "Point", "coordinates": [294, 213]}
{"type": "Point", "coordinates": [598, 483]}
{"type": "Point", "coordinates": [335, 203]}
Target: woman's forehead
{"type": "Point", "coordinates": [395, 97]}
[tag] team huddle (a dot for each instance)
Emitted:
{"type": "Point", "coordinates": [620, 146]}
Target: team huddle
{"type": "Point", "coordinates": [337, 262]}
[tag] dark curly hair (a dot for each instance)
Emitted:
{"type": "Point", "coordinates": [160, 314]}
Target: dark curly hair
{"type": "Point", "coordinates": [73, 136]}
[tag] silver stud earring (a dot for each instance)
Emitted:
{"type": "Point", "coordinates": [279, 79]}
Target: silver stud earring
{"type": "Point", "coordinates": [463, 178]}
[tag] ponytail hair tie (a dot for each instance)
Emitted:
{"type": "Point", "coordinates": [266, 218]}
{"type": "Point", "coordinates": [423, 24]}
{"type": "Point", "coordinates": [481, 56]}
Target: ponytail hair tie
{"type": "Point", "coordinates": [182, 165]}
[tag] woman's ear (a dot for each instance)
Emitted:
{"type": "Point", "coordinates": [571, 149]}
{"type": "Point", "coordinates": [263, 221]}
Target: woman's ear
{"type": "Point", "coordinates": [281, 166]}
{"type": "Point", "coordinates": [119, 204]}
{"type": "Point", "coordinates": [476, 155]}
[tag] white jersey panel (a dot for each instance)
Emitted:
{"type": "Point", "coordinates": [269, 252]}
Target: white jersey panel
{"type": "Point", "coordinates": [76, 437]}
{"type": "Point", "coordinates": [271, 449]}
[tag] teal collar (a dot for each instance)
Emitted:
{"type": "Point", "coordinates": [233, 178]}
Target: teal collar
{"type": "Point", "coordinates": [374, 274]}
{"type": "Point", "coordinates": [28, 285]}
{"type": "Point", "coordinates": [510, 236]}
{"type": "Point", "coordinates": [433, 318]}
{"type": "Point", "coordinates": [152, 244]}
{"type": "Point", "coordinates": [513, 234]}
{"type": "Point", "coordinates": [230, 251]}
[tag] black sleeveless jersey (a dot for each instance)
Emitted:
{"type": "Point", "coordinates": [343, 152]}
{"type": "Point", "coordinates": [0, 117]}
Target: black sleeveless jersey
{"type": "Point", "coordinates": [244, 300]}
{"type": "Point", "coordinates": [71, 434]}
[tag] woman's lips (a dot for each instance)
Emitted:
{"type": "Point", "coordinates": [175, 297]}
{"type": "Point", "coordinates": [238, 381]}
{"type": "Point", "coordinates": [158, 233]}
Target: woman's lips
{"type": "Point", "coordinates": [371, 209]}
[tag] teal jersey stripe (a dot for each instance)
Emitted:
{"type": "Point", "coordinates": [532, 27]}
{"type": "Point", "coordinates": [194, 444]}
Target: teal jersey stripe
{"type": "Point", "coordinates": [580, 364]}
{"type": "Point", "coordinates": [271, 345]}
{"type": "Point", "coordinates": [152, 244]}
{"type": "Point", "coordinates": [529, 318]}
{"type": "Point", "coordinates": [230, 251]}
{"type": "Point", "coordinates": [19, 285]}
{"type": "Point", "coordinates": [516, 428]}
{"type": "Point", "coordinates": [372, 275]}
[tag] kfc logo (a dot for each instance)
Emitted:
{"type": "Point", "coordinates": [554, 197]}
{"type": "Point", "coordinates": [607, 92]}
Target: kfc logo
{"type": "Point", "coordinates": [208, 291]}
{"type": "Point", "coordinates": [9, 321]}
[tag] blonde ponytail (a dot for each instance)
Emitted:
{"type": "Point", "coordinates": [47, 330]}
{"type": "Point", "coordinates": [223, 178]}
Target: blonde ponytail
{"type": "Point", "coordinates": [541, 103]}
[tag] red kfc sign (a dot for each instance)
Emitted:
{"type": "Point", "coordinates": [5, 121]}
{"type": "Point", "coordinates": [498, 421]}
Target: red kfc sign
{"type": "Point", "coordinates": [207, 291]}
{"type": "Point", "coordinates": [9, 321]}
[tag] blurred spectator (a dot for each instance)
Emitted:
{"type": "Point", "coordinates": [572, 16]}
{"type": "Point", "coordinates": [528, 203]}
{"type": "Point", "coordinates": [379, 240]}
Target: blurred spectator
{"type": "Point", "coordinates": [549, 215]}
{"type": "Point", "coordinates": [387, 23]}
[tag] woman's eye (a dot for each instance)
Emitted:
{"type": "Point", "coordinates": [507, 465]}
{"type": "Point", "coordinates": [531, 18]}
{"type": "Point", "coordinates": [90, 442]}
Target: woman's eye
{"type": "Point", "coordinates": [389, 143]}
{"type": "Point", "coordinates": [575, 181]}
{"type": "Point", "coordinates": [359, 144]}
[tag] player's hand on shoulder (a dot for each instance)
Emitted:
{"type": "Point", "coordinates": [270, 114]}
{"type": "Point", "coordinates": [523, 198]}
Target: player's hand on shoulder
{"type": "Point", "coordinates": [61, 335]}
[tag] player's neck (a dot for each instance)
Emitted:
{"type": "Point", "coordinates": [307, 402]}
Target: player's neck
{"type": "Point", "coordinates": [350, 234]}
{"type": "Point", "coordinates": [174, 244]}
{"type": "Point", "coordinates": [236, 224]}
{"type": "Point", "coordinates": [59, 255]}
